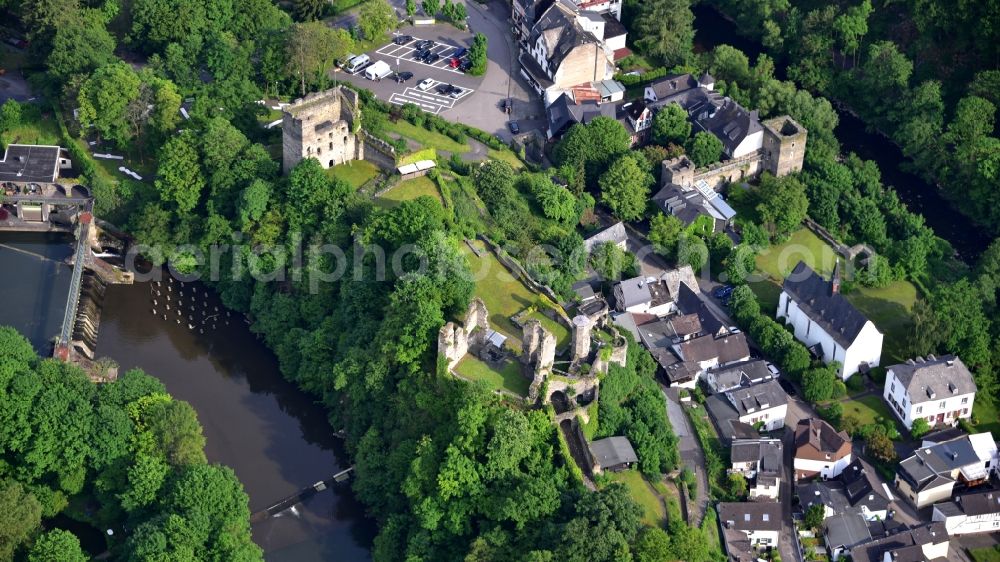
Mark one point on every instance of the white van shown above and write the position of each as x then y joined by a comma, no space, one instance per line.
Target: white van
357,63
377,71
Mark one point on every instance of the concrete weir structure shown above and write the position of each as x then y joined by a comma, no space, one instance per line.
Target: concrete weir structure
30,184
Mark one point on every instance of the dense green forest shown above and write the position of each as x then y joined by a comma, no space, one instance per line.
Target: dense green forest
122,456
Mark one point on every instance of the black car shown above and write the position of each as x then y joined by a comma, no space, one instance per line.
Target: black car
514,129
425,44
465,66
432,58
403,76
787,386
402,39
444,89
460,52
419,54
723,291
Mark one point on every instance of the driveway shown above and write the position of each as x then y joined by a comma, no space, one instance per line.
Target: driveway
690,450
786,540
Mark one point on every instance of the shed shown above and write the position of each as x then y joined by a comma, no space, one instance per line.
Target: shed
613,453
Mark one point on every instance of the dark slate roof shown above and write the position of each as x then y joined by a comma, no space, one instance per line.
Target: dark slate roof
740,430
932,533
690,303
765,452
30,163
846,530
681,325
727,120
706,79
743,373
613,451
685,204
861,489
680,371
560,32
930,467
831,312
750,516
563,113
612,27
670,86
934,378
533,9
615,233
829,493
725,349
758,397
983,503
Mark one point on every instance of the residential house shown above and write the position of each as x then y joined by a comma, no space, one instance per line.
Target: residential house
615,234
759,522
637,119
933,473
820,450
682,327
564,112
710,351
736,375
644,295
612,453
764,404
568,47
970,514
843,532
759,460
689,203
854,491
923,543
827,323
940,390
525,13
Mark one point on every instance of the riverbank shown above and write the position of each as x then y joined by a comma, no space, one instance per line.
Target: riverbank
713,28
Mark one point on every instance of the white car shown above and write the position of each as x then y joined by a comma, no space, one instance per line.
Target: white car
774,370
425,84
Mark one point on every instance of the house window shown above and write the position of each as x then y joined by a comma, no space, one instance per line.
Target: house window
920,409
892,387
941,405
965,400
965,411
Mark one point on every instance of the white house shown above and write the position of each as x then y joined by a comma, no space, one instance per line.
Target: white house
759,521
940,390
736,375
927,542
764,403
759,460
827,323
930,475
969,514
820,450
644,295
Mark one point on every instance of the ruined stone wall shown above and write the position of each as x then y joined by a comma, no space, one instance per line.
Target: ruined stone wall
322,125
453,343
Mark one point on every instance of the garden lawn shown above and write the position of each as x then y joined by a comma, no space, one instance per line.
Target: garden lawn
506,156
426,138
558,329
652,507
988,554
355,172
989,419
508,378
502,293
409,189
867,409
888,307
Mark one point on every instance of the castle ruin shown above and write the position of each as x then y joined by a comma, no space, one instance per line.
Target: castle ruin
323,125
454,340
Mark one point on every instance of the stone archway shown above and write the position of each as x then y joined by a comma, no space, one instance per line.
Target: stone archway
560,402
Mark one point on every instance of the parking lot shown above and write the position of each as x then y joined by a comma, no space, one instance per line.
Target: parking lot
409,50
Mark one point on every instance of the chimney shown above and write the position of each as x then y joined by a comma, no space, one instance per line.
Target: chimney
835,280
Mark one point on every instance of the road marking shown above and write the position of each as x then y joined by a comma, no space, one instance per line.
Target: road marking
406,51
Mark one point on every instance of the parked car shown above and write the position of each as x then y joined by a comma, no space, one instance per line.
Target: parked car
773,369
514,129
455,92
432,58
460,52
722,292
419,54
402,39
403,76
425,44
465,66
425,84
454,62
788,388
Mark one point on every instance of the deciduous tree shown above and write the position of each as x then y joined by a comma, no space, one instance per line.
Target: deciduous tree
625,188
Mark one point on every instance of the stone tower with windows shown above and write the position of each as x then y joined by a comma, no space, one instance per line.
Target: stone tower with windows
323,125
784,145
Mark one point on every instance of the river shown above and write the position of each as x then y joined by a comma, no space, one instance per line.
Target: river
712,29
275,437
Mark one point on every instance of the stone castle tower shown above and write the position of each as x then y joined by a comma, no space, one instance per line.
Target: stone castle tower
784,145
581,337
323,125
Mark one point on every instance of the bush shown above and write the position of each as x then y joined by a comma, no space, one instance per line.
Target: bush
648,76
920,428
856,383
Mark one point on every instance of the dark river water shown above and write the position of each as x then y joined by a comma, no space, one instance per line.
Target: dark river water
274,436
712,29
